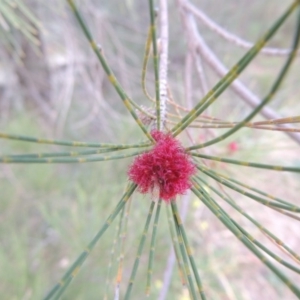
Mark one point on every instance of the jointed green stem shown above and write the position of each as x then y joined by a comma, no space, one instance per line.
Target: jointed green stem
138,255
181,269
231,75
10,159
268,98
266,250
247,239
247,164
224,218
31,139
274,128
142,110
250,238
152,248
287,120
112,252
219,123
288,207
58,154
184,251
122,248
108,71
278,242
292,206
74,269
188,249
253,189
145,62
155,62
62,289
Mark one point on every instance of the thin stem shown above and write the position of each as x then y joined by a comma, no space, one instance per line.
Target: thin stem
247,164
155,62
111,77
31,139
228,35
10,160
145,63
152,248
266,250
213,61
175,244
232,74
75,268
252,189
270,95
265,231
122,250
184,253
112,252
251,239
224,218
188,249
58,154
139,252
287,206
163,61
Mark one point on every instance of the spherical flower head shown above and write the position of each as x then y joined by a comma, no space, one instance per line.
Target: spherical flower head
166,167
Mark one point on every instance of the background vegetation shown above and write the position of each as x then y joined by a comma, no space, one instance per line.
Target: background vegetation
51,85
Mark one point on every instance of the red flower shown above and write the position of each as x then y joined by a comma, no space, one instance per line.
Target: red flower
166,167
233,147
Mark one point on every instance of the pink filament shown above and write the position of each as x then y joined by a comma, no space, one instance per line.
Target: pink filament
166,167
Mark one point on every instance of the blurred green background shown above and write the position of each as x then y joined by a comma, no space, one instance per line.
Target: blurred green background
51,85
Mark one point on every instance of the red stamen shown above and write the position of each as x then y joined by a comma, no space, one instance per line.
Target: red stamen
166,166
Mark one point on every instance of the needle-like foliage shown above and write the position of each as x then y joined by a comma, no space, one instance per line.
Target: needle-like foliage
166,169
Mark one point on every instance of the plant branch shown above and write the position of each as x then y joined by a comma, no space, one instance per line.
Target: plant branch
163,61
237,86
230,36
